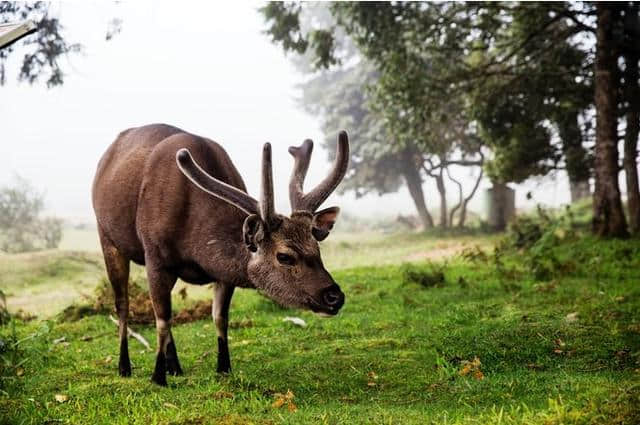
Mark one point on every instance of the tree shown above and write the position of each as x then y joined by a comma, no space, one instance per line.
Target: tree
608,216
524,77
21,227
341,98
421,137
631,95
44,49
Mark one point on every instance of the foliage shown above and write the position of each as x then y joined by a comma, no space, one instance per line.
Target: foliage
21,227
341,98
387,99
427,275
17,352
43,50
541,230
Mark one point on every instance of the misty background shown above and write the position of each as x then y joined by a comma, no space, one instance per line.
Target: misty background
212,73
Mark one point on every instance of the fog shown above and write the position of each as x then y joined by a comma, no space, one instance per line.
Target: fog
204,67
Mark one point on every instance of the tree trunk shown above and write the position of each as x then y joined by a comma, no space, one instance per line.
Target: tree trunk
608,216
501,206
414,183
632,95
453,210
463,211
574,153
443,198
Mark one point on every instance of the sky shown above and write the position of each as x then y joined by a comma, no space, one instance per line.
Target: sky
205,67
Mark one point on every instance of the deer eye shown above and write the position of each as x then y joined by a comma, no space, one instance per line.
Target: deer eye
285,259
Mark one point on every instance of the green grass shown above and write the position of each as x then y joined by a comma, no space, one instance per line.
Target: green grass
45,282
563,350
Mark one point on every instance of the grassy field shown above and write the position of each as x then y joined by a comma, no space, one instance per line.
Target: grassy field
508,338
45,282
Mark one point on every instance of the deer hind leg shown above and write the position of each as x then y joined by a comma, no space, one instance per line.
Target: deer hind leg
220,313
118,271
172,362
161,283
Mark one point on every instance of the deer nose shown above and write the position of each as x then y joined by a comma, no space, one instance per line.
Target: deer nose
333,297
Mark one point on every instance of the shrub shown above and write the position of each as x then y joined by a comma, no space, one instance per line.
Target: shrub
428,275
21,227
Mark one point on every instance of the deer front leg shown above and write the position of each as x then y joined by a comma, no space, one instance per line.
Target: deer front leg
220,313
161,283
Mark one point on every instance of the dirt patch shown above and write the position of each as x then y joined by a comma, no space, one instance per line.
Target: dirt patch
140,306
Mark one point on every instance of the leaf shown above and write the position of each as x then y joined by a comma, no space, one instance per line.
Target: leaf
465,370
571,317
296,321
472,368
20,371
287,398
170,405
219,395
108,359
61,398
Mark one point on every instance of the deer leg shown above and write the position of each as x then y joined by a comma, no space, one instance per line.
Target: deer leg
118,271
172,363
220,312
161,283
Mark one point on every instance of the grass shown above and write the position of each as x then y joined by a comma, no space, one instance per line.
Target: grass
490,344
45,282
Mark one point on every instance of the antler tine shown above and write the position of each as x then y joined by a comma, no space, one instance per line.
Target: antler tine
267,209
213,186
312,200
302,156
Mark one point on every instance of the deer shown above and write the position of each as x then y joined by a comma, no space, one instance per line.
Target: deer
175,203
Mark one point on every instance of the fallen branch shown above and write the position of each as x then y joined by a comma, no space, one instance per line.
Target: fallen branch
130,332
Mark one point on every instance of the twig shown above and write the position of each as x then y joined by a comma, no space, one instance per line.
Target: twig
130,332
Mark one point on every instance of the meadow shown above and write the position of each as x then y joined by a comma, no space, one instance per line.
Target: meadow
454,329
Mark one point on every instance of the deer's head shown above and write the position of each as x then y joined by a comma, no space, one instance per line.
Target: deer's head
285,261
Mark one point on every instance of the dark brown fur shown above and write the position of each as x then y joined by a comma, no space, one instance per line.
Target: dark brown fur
149,212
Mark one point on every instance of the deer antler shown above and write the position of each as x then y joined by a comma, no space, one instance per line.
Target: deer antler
213,186
302,155
267,209
230,194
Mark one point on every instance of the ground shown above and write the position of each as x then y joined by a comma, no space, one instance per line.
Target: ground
503,338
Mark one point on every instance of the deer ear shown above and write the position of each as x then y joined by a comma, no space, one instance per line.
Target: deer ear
323,222
253,232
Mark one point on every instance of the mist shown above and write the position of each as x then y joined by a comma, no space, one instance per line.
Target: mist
213,73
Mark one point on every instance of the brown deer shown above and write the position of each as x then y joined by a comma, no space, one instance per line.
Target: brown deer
195,221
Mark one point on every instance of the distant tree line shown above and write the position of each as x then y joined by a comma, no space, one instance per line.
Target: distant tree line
510,89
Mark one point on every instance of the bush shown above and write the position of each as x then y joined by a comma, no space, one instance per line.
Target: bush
21,227
541,230
428,275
